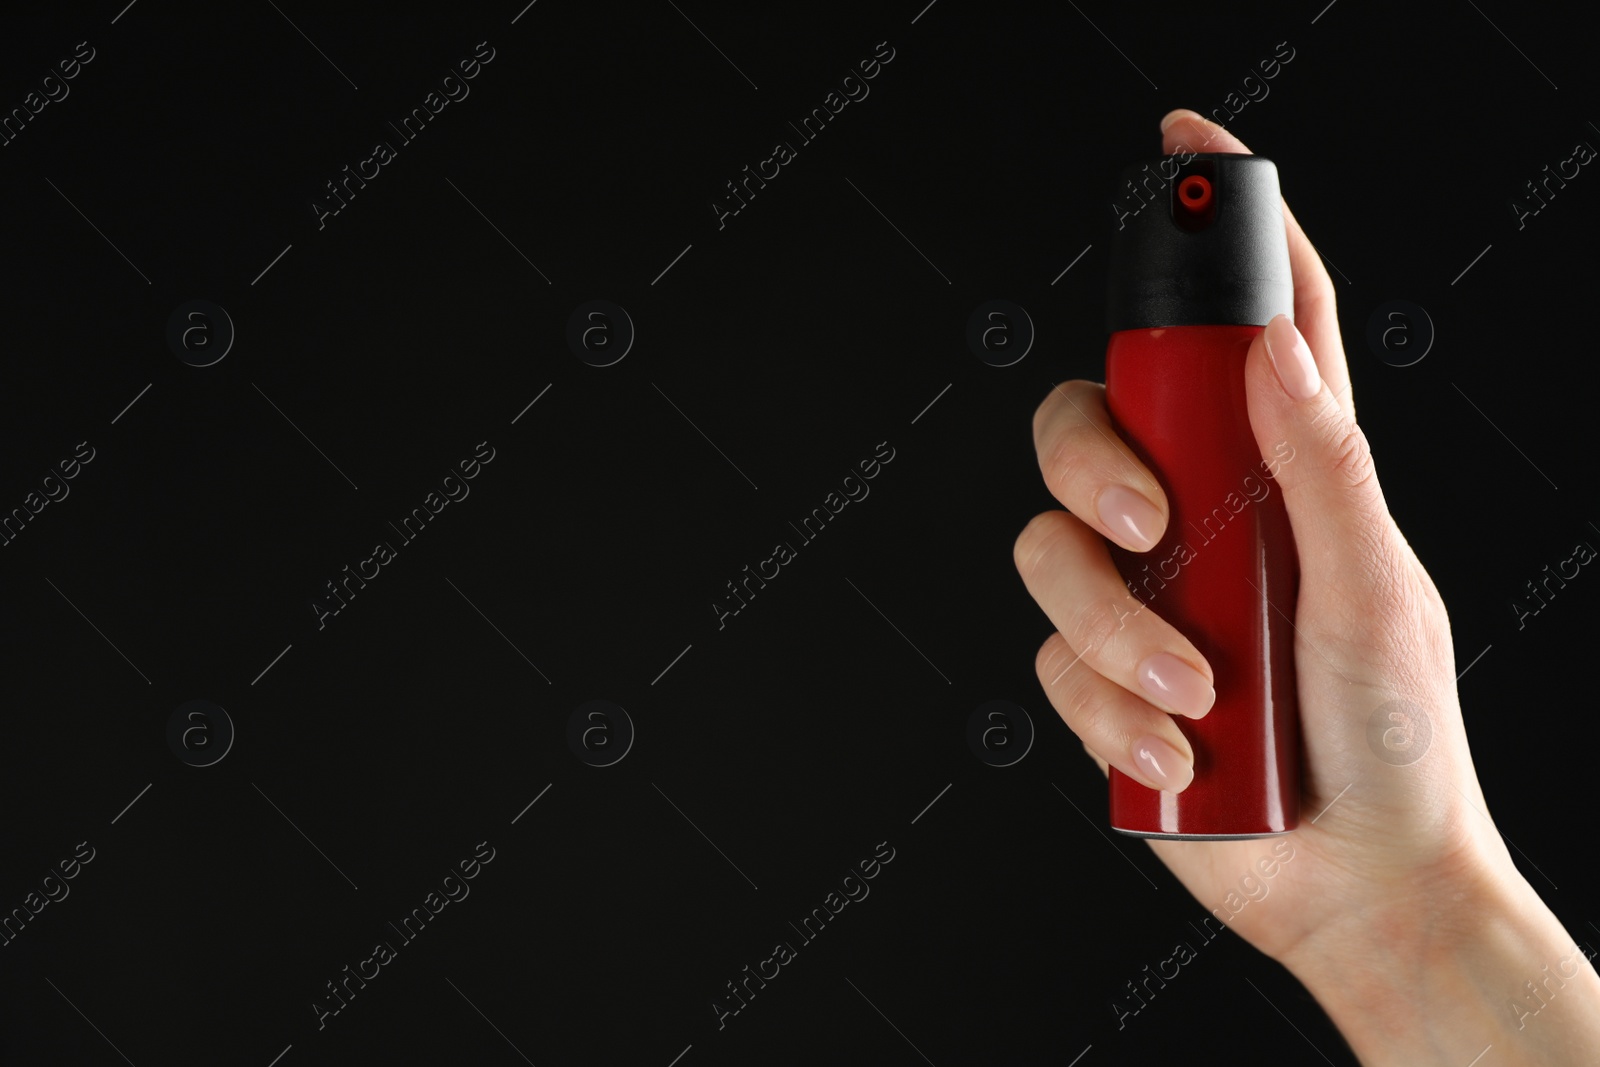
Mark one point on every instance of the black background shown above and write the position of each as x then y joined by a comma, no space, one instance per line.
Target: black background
796,338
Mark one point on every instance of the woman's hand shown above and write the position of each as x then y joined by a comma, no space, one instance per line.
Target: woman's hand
1400,908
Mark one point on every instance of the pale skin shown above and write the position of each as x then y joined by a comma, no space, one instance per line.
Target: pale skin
1402,911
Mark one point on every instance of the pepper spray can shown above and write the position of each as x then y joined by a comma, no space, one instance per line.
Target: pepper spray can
1199,264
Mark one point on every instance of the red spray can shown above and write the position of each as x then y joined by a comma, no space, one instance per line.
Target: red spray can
1199,264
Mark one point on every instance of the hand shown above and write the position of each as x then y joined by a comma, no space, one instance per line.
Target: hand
1402,887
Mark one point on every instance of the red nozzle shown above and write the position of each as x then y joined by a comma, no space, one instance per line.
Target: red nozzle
1194,196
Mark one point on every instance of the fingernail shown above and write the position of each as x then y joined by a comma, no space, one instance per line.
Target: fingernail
1132,519
1176,685
1291,358
1175,115
1162,764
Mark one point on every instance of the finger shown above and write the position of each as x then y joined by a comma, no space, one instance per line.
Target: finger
1092,473
1069,572
1346,540
1113,724
1315,306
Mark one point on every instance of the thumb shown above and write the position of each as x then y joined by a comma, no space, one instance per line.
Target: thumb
1342,529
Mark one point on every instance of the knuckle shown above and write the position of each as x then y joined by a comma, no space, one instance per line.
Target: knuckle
1085,708
1069,392
1350,456
1047,661
1066,407
1076,457
1094,627
1033,543
1064,461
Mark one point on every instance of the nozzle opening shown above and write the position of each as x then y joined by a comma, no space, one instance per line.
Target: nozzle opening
1194,197
1194,194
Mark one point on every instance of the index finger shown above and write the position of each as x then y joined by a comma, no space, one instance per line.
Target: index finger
1315,308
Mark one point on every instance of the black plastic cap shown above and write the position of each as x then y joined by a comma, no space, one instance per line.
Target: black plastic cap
1214,255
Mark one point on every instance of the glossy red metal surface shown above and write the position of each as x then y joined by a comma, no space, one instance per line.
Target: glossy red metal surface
1225,574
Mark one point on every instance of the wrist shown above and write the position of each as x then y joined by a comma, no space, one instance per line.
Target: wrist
1451,966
